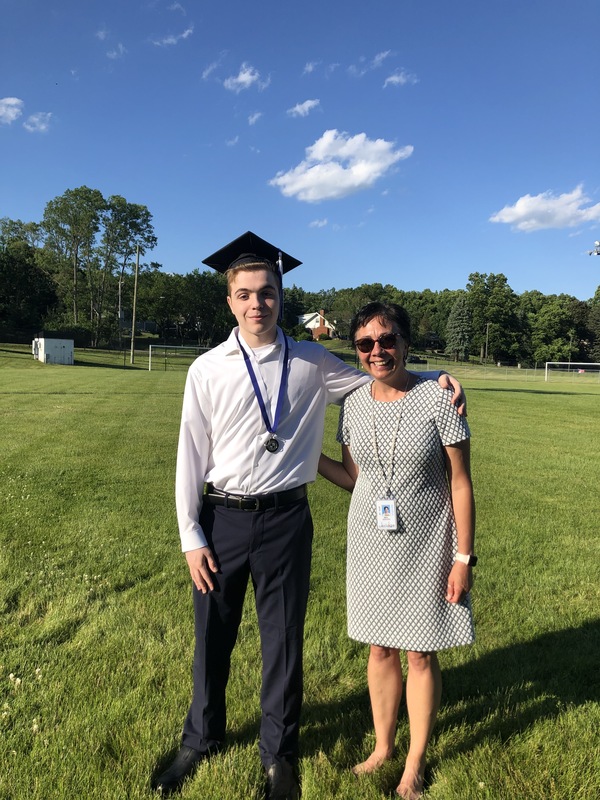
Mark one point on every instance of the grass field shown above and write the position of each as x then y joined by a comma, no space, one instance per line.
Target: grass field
96,619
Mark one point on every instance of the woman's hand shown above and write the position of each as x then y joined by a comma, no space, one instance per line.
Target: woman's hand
460,582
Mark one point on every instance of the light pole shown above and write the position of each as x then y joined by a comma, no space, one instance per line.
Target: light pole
487,338
135,284
570,348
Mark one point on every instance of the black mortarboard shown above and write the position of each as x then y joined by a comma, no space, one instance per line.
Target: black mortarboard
250,248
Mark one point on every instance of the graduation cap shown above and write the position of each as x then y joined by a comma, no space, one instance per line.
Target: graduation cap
249,250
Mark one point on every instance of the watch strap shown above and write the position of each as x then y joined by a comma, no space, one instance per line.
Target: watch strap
470,560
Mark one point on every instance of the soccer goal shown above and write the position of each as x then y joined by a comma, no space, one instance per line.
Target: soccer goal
582,371
172,356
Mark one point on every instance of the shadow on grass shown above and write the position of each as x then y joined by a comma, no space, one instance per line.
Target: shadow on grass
551,392
106,365
496,696
499,695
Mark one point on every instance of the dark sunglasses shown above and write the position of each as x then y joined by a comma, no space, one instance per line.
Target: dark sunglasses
387,341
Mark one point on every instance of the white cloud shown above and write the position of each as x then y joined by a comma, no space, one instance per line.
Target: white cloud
11,109
38,123
117,52
400,78
253,118
303,109
232,142
101,34
310,66
318,223
338,165
169,41
212,67
547,210
177,7
246,77
365,66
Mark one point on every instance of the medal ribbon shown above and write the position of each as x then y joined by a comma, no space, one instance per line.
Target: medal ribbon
258,394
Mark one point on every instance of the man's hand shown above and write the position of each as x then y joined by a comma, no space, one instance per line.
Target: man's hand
459,399
202,563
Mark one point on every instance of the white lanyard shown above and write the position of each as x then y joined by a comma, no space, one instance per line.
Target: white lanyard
387,481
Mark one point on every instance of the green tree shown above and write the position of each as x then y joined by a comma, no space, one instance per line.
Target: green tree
458,329
594,327
27,293
127,227
71,223
495,319
294,305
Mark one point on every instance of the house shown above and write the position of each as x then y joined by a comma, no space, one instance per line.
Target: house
316,323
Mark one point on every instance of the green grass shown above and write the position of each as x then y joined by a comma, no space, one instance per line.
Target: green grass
96,618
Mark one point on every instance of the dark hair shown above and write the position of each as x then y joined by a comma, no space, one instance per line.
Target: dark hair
385,312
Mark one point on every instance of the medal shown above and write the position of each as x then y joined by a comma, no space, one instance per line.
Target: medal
272,445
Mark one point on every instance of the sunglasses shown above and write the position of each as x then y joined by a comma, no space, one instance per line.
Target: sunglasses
387,342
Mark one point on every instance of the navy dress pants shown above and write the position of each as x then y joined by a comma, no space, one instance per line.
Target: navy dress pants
273,548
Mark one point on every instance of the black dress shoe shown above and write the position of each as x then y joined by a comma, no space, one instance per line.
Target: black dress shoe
282,782
183,765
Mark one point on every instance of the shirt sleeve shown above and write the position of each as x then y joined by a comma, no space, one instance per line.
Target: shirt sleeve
192,462
452,427
340,378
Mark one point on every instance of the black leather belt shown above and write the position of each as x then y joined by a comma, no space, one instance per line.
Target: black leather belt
256,502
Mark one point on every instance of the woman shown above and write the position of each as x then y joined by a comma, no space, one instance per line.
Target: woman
411,523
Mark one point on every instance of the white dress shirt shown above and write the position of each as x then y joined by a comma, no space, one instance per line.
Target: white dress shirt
222,433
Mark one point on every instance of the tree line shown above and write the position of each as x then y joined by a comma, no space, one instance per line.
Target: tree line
72,273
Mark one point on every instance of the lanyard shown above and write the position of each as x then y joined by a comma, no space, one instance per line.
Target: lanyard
257,392
387,478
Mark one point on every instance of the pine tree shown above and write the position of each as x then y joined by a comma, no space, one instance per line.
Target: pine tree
458,330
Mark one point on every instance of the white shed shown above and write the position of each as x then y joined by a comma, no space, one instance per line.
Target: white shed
53,351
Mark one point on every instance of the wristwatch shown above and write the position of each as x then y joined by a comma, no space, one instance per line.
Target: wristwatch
469,560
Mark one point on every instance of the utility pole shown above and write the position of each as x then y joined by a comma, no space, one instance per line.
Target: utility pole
135,281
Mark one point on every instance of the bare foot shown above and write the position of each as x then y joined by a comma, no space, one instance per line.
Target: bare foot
372,764
411,783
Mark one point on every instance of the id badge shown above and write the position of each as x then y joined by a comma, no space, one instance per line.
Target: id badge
386,515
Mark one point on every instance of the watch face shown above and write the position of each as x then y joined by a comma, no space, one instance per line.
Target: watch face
472,561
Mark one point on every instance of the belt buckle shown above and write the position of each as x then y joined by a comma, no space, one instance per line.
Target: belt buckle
254,500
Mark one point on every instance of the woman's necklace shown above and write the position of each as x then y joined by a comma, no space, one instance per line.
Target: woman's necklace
385,507
404,390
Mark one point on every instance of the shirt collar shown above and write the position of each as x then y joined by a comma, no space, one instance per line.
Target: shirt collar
231,345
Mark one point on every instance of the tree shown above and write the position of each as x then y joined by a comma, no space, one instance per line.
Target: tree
594,326
554,335
71,222
127,227
294,305
27,294
495,320
458,329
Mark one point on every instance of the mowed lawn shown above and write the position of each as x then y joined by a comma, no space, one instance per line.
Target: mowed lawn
96,621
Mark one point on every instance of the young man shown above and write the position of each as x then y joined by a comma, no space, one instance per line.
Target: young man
250,439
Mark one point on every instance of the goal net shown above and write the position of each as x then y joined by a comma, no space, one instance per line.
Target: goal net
170,356
581,371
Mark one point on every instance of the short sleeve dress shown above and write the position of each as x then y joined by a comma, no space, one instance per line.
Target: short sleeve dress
396,580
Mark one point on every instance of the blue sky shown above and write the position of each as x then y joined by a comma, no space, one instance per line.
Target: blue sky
409,142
